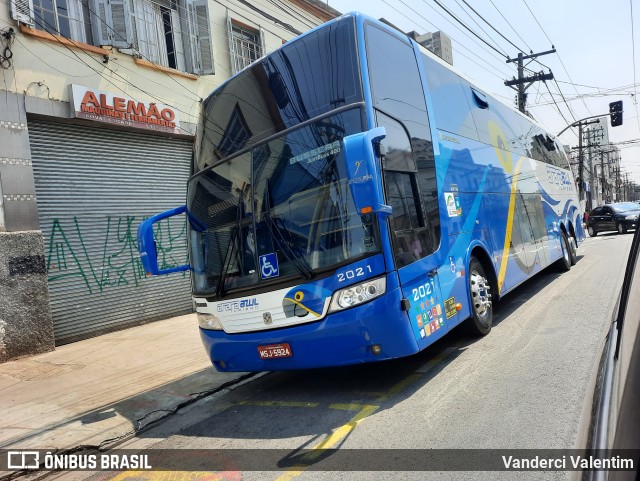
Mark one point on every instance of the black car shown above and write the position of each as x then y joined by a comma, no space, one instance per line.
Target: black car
619,216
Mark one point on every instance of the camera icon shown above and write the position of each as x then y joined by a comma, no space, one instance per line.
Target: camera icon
23,459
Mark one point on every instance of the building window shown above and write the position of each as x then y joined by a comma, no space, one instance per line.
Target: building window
60,17
172,33
245,45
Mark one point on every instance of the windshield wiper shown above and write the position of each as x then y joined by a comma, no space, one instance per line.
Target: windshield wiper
299,263
235,237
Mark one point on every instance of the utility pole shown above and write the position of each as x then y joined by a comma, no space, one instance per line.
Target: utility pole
626,187
604,197
522,80
580,166
581,146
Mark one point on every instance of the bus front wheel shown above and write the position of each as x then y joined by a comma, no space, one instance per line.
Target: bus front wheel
481,306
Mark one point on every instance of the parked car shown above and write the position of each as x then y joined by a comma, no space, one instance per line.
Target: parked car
619,216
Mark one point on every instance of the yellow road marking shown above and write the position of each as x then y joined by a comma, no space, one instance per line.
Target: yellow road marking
436,360
349,407
334,438
177,476
287,404
399,387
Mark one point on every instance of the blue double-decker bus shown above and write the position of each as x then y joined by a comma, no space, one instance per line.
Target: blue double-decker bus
354,198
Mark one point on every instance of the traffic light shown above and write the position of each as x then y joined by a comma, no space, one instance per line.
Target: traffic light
615,109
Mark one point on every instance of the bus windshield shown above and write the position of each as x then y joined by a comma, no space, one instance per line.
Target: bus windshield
281,210
269,201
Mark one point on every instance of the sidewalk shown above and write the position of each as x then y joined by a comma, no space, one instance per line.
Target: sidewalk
97,390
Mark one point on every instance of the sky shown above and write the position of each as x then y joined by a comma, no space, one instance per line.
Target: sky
593,65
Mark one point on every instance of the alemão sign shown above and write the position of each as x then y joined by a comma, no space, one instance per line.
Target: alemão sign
101,106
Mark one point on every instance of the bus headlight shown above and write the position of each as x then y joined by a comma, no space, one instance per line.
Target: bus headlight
358,294
209,321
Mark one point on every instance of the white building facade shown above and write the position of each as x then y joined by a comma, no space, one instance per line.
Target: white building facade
99,107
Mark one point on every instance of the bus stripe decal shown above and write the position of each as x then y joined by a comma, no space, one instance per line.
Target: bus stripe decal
462,240
507,237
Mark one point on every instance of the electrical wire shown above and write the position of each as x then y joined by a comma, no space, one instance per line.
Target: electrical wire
413,21
534,17
494,28
437,28
557,107
511,26
500,58
633,54
559,57
478,25
46,25
565,100
7,35
467,27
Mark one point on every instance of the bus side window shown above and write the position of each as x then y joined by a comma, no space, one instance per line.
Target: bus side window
409,166
450,100
413,238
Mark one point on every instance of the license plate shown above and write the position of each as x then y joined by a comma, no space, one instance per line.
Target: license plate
274,351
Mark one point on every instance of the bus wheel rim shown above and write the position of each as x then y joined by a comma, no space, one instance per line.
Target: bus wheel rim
480,297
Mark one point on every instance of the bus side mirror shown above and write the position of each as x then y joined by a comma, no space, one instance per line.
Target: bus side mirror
147,244
362,172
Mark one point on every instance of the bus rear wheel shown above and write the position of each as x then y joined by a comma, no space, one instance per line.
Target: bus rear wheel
481,305
564,263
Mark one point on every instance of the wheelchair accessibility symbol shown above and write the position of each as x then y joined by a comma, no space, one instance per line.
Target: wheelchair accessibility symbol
269,266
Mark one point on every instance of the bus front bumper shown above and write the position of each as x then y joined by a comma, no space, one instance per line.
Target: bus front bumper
341,338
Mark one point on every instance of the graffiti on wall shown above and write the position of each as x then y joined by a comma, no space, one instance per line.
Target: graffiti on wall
109,258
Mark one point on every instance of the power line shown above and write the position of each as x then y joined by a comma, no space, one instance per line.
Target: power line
508,23
488,23
534,17
557,107
454,25
633,54
479,26
467,27
412,20
565,101
559,57
44,27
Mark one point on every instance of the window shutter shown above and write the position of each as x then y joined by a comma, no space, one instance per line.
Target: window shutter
149,33
100,22
120,31
263,43
232,46
204,36
111,23
188,23
178,46
22,11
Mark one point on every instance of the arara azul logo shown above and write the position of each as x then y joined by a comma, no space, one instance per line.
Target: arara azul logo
239,305
305,300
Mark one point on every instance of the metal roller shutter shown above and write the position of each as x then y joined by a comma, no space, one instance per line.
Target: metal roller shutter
94,186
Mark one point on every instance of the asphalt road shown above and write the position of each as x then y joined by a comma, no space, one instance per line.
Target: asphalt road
524,385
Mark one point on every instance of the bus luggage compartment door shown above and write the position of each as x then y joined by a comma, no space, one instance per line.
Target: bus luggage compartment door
421,286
